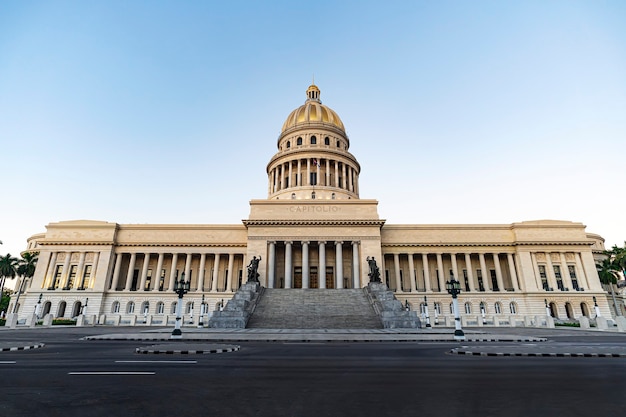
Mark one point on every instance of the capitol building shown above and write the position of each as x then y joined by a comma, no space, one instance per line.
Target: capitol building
313,231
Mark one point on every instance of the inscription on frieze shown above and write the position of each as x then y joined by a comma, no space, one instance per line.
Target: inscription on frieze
313,209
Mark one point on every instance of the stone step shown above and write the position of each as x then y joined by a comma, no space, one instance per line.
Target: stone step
314,309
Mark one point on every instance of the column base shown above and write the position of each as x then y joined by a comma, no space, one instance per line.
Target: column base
459,335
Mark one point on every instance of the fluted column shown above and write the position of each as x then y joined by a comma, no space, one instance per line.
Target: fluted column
455,268
322,267
396,268
484,272
470,272
356,270
52,266
216,272
116,271
350,188
282,176
131,271
412,273
65,273
512,272
188,267
496,261
581,271
144,272
170,286
156,281
327,182
305,264
426,272
201,268
229,279
343,175
441,278
80,273
550,272
290,184
288,265
299,174
339,262
94,268
337,174
271,266
567,280
308,171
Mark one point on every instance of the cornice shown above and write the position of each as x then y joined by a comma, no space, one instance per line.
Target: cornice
291,222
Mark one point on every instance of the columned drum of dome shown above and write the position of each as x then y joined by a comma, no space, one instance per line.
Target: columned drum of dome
313,161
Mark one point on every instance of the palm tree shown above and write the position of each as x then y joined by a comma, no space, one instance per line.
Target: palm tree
608,273
26,269
8,269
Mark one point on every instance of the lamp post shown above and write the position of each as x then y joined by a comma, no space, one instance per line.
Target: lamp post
181,288
548,313
596,308
454,289
426,312
482,313
38,306
83,309
202,309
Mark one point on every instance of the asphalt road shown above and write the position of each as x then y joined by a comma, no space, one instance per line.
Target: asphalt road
72,377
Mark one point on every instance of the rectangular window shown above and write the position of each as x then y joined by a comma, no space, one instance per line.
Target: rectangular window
559,279
494,280
479,277
544,277
313,178
72,277
162,280
87,277
572,275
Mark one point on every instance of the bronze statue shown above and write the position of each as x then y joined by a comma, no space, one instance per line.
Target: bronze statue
253,275
374,271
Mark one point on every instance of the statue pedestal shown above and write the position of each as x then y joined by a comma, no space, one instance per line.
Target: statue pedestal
238,310
390,310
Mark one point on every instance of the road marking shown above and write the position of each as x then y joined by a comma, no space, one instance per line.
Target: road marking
156,361
7,362
111,373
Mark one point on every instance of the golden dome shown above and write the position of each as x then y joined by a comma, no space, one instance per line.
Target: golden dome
312,111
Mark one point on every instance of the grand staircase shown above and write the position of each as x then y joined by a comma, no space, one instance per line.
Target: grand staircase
314,309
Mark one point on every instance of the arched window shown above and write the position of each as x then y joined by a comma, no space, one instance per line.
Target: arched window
584,309
451,308
188,308
160,308
313,140
513,308
338,144
468,308
76,309
115,308
46,308
498,307
288,144
145,307
483,307
61,309
422,308
130,307
313,195
173,308
326,141
569,311
299,141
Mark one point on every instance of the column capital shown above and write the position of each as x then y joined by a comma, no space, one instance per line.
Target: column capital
356,242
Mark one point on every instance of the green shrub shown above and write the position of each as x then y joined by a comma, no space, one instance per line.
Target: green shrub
63,322
2,322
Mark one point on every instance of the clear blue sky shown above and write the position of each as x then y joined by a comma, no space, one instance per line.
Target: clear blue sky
168,112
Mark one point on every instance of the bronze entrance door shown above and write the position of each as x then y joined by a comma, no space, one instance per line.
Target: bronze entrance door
330,279
297,277
314,282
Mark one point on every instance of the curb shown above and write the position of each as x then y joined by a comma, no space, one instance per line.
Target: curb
156,350
543,355
29,347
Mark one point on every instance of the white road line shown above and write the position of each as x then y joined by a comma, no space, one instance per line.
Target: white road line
156,361
7,362
111,373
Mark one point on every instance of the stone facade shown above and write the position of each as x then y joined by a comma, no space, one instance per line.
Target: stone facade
314,231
